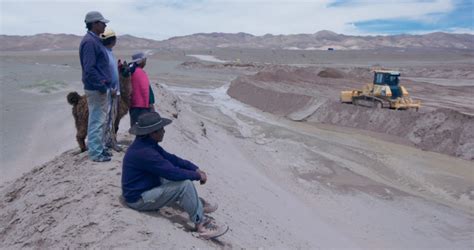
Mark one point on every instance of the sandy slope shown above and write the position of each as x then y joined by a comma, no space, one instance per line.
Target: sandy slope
73,202
278,184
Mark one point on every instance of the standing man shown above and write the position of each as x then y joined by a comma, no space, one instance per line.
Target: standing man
96,78
142,99
109,40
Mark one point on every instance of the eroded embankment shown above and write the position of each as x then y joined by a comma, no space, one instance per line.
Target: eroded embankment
282,92
275,102
71,202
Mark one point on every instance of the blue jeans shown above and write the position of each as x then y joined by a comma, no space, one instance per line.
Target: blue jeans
183,193
97,104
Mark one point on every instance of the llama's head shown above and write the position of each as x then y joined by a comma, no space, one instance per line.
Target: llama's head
124,69
125,79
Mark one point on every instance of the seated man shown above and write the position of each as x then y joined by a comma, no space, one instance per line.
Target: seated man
153,178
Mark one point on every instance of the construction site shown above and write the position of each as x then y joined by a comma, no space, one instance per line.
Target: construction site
292,161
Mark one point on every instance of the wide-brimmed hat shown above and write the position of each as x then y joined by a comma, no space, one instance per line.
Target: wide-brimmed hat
95,16
148,123
108,33
138,57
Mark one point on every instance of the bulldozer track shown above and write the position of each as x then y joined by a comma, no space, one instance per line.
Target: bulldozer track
367,101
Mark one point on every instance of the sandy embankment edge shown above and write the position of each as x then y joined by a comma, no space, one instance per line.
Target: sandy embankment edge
442,130
72,202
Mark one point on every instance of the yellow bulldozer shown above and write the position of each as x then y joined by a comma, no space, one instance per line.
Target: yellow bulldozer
384,92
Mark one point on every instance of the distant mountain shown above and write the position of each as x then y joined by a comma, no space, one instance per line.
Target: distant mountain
132,42
208,40
39,42
66,42
321,40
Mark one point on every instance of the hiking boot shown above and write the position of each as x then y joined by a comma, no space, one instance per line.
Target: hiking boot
102,158
208,207
209,230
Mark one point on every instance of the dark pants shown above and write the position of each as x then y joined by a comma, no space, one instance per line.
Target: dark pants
136,112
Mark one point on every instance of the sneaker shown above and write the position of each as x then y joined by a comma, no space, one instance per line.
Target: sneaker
117,148
102,158
107,153
209,230
208,207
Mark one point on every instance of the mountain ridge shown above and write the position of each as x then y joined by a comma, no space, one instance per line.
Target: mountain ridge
321,40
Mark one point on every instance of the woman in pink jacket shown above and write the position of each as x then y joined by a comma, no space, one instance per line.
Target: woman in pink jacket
142,98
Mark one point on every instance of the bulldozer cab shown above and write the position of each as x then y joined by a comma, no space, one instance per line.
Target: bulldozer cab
390,78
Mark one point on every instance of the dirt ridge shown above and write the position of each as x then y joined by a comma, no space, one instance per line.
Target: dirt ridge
442,130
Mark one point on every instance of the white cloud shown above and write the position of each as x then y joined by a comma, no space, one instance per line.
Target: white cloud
461,30
161,19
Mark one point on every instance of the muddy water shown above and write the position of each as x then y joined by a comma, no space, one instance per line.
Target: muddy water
347,161
352,180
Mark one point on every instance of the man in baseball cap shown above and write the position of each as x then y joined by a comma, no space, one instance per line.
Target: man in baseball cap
96,77
95,16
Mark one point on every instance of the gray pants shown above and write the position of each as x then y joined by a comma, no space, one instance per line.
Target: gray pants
110,138
182,193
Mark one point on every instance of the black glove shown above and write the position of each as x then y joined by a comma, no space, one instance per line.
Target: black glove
108,83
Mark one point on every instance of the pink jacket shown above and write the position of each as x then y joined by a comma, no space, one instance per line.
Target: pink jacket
140,97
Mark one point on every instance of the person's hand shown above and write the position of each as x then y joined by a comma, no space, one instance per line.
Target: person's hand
113,92
103,91
203,175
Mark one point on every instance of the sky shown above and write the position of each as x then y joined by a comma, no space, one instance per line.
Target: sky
162,19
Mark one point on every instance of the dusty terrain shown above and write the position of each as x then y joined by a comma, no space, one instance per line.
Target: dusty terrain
294,176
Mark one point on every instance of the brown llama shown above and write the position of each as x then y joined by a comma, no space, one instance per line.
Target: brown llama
80,110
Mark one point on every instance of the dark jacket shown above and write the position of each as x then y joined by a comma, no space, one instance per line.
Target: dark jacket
94,63
145,162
